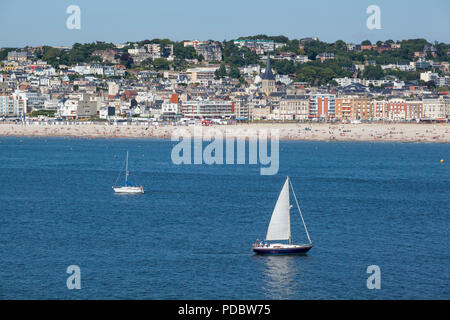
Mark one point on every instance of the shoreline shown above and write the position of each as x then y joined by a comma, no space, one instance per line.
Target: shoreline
367,132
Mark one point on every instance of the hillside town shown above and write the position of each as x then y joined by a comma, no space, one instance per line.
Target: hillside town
248,79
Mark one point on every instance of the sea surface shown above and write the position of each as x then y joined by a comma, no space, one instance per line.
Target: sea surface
190,235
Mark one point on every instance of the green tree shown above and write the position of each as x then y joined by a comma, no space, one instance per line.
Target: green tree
45,113
4,52
51,55
234,72
221,72
182,52
284,66
371,72
340,46
126,60
161,64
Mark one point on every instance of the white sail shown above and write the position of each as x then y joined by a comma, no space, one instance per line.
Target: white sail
280,224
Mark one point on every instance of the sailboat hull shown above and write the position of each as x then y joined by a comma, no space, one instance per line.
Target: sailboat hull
129,190
284,249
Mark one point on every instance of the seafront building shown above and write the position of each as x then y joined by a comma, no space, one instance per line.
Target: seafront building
109,87
12,106
207,109
294,107
322,106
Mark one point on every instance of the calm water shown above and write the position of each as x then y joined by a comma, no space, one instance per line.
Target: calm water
190,235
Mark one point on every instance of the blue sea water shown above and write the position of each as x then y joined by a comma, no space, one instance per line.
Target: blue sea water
190,235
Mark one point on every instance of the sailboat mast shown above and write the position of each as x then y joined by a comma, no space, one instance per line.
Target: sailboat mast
289,206
126,170
301,216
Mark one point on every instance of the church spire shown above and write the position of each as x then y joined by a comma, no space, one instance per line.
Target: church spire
268,75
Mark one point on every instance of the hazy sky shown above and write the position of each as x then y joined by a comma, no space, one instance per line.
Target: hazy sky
44,22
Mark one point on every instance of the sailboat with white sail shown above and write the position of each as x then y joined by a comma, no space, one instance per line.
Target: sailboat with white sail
280,227
128,188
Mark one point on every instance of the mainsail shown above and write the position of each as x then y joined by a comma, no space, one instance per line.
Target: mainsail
280,224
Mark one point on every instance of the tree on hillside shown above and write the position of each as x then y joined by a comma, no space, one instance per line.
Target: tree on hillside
371,72
280,38
4,53
234,72
221,72
182,52
161,64
126,60
340,45
284,66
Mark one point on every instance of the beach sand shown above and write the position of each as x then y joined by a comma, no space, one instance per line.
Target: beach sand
401,132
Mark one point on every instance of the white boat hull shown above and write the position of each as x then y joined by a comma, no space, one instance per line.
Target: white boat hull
129,190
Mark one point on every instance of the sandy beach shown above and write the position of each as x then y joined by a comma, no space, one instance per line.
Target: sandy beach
401,132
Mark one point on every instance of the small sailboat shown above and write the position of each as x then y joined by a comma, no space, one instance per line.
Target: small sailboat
280,227
128,187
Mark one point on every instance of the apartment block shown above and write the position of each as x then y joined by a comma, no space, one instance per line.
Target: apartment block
322,106
207,108
294,107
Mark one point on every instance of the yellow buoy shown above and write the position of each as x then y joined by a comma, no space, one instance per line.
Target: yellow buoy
442,160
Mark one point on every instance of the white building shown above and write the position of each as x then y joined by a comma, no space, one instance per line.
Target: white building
154,49
54,81
136,51
113,88
12,106
435,108
283,79
343,82
207,108
428,76
33,100
259,45
251,69
81,69
401,67
68,108
169,107
442,81
374,82
52,104
292,107
45,82
203,76
301,59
